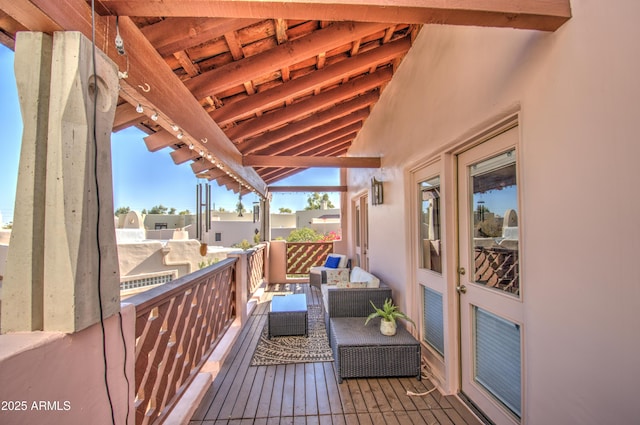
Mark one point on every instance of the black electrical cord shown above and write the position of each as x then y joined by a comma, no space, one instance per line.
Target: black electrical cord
95,175
124,367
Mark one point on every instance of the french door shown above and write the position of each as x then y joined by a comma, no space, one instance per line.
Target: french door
430,264
489,284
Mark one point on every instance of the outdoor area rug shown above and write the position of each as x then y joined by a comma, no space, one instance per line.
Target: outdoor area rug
295,349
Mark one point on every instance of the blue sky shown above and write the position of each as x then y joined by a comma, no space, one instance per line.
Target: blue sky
141,179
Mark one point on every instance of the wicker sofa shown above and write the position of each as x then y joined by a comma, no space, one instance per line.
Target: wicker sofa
345,293
323,274
359,350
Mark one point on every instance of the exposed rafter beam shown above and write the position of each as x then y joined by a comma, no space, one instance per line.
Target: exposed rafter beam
309,137
174,34
285,189
238,72
183,154
305,107
311,161
310,127
293,147
334,147
160,140
546,15
325,147
145,69
310,82
126,116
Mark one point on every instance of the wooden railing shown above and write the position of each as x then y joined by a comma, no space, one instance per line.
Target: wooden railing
301,256
255,269
498,267
178,325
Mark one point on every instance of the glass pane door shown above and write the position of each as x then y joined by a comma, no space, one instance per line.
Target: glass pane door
495,222
489,281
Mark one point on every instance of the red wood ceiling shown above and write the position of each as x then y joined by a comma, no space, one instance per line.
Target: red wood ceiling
288,88
274,86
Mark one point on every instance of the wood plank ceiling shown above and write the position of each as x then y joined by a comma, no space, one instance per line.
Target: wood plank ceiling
287,83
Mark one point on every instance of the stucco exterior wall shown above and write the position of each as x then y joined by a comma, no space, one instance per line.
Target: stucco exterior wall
577,93
148,257
54,378
232,232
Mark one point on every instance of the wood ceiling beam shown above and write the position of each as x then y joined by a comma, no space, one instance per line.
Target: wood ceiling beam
211,174
311,137
293,189
126,116
326,148
310,82
281,173
299,129
7,41
323,100
183,154
201,165
238,72
311,161
546,15
187,64
348,131
160,140
146,68
29,16
174,34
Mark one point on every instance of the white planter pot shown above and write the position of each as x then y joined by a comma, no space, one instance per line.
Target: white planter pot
387,328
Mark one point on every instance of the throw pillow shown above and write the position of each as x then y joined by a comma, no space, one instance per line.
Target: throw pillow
352,284
332,262
333,277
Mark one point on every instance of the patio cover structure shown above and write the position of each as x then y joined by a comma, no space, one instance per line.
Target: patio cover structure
250,92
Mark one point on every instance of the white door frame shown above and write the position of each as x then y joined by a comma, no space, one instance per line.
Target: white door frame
500,304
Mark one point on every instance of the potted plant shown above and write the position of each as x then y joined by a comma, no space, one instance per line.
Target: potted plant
389,313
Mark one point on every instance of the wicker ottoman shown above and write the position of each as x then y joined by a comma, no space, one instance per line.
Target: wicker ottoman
288,315
361,351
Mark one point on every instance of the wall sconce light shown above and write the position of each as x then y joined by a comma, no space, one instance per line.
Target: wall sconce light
377,193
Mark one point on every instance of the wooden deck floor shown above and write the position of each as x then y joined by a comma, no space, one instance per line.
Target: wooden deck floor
308,393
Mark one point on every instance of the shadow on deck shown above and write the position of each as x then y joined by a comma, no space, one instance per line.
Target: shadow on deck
308,393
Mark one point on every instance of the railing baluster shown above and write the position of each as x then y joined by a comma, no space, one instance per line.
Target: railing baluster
301,256
172,345
256,268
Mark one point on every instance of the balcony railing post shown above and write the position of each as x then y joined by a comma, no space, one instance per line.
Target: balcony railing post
241,282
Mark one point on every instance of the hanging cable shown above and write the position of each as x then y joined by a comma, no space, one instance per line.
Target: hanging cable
95,175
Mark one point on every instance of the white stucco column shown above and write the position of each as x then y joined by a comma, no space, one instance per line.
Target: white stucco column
24,276
80,252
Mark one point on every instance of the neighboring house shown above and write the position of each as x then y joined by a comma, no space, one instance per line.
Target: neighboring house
228,229
156,248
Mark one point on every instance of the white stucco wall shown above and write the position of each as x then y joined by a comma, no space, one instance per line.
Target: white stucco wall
149,257
53,378
577,91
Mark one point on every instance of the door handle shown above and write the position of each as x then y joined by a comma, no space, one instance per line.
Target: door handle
461,289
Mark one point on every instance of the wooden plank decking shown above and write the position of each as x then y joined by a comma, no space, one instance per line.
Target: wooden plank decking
308,393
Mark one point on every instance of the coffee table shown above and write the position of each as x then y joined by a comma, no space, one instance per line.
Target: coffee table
288,315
